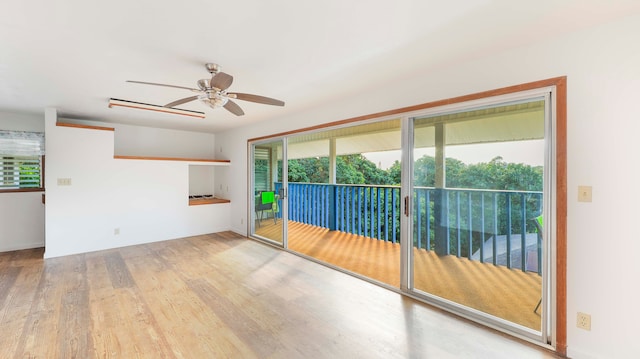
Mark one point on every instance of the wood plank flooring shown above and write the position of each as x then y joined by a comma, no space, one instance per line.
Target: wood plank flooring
219,296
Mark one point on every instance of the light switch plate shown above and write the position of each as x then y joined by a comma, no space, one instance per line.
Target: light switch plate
584,193
64,181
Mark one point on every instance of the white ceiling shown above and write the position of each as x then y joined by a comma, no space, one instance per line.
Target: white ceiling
76,54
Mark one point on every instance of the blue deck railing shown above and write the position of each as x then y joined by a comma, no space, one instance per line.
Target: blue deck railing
483,225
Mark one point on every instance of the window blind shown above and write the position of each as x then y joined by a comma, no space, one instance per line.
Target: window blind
20,172
261,169
21,143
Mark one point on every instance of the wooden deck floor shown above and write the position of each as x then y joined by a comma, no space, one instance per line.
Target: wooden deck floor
506,293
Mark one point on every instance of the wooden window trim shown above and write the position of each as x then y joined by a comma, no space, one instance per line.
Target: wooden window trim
120,157
75,125
18,190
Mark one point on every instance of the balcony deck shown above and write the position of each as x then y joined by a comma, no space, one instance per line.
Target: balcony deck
507,293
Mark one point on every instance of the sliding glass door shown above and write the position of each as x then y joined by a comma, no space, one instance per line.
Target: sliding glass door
268,193
478,215
452,204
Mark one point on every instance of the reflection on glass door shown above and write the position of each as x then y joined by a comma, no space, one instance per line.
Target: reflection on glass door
344,198
478,213
268,192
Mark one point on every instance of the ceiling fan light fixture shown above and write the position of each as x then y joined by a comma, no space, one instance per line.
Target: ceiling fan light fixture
214,100
203,84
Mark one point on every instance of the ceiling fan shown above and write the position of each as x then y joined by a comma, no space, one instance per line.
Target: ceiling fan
213,92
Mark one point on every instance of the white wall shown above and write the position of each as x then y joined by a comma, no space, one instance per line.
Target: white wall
201,180
134,141
21,214
145,200
602,65
157,142
21,220
21,122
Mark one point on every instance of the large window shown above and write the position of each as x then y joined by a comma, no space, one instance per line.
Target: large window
21,160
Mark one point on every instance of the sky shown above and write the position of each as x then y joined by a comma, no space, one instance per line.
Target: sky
527,152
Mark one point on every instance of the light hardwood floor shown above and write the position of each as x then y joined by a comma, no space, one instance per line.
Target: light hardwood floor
219,296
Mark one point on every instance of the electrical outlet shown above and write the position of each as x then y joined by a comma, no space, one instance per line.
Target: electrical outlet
241,220
584,321
116,231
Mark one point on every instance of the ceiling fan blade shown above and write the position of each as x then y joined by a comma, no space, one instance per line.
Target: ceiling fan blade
181,101
258,99
156,84
221,81
233,108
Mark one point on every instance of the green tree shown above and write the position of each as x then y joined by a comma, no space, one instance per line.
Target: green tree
424,172
297,172
394,173
357,169
495,174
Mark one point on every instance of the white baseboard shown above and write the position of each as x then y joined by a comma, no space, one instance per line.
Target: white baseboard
20,246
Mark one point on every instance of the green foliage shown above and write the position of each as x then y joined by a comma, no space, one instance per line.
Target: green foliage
424,172
357,169
394,173
309,170
498,174
29,176
350,169
297,172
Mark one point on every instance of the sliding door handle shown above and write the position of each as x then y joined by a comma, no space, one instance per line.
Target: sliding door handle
406,206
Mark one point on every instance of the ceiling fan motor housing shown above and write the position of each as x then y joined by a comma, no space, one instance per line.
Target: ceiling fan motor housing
213,68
